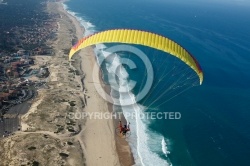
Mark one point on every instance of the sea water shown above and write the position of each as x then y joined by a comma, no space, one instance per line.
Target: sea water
214,126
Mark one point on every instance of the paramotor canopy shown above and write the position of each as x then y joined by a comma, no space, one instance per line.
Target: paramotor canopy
140,38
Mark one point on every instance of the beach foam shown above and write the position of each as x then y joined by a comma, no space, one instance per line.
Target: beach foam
89,28
140,138
164,147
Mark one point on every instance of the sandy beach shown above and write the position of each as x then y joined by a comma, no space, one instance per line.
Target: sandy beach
46,129
98,134
103,147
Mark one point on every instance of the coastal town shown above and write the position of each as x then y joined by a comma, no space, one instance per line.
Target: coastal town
21,75
40,88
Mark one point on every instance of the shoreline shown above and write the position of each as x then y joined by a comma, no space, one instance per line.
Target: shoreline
125,155
122,147
47,130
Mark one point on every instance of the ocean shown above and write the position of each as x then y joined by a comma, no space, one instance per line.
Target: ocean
214,126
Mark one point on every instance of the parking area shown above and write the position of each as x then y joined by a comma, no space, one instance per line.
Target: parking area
8,126
11,120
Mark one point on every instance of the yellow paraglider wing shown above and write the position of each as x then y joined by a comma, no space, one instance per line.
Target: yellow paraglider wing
140,38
